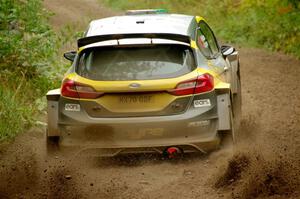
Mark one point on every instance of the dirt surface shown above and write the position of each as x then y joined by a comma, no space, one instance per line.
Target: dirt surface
75,12
264,164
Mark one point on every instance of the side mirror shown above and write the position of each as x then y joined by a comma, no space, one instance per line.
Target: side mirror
227,50
70,55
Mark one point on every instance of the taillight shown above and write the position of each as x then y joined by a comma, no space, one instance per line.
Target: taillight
73,89
205,83
202,84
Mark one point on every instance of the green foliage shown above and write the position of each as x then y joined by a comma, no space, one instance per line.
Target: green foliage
14,114
22,100
271,24
27,42
28,64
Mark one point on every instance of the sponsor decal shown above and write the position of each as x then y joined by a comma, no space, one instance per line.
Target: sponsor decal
72,107
202,103
144,132
199,123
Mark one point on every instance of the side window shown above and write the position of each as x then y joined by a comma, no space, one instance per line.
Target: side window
203,44
82,63
206,40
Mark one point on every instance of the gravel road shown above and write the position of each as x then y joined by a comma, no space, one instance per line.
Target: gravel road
264,164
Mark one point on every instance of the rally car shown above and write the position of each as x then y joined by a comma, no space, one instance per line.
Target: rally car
146,82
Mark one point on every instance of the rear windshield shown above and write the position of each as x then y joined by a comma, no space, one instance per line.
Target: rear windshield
136,63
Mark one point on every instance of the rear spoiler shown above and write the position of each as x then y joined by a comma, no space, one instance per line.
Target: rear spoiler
93,39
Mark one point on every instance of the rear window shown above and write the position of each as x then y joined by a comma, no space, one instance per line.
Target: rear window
136,63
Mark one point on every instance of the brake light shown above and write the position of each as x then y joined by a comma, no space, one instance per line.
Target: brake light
73,89
205,83
202,84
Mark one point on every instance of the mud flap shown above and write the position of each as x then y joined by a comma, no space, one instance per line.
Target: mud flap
52,116
233,59
223,101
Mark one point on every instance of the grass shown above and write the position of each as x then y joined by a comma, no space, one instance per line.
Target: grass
28,64
268,24
14,114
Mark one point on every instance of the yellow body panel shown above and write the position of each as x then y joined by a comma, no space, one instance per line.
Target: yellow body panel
198,19
156,101
193,44
153,91
146,85
123,86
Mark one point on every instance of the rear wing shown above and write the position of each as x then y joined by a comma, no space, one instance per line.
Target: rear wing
98,38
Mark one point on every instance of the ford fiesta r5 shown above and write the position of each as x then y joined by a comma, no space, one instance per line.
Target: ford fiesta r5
146,82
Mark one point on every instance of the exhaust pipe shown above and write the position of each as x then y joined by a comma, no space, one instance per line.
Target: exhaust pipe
172,152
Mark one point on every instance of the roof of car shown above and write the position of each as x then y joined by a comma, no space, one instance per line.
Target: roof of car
146,23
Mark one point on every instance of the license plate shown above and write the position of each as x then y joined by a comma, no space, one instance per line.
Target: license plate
136,99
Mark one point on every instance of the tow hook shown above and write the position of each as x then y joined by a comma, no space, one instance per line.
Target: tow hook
172,152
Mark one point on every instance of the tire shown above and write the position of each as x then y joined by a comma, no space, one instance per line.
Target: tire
232,127
236,111
230,137
237,100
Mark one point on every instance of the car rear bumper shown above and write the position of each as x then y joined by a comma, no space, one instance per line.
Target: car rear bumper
194,130
111,140
202,146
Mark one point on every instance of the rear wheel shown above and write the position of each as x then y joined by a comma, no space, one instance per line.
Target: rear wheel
229,137
232,127
235,112
237,100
